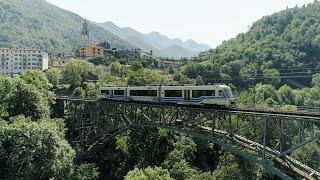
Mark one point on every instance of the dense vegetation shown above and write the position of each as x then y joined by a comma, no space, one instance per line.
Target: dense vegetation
284,44
33,144
36,23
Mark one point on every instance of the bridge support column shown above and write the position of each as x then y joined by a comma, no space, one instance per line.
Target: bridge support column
281,136
213,125
265,134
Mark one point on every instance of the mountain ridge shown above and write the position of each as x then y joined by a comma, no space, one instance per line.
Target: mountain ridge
176,51
48,27
159,43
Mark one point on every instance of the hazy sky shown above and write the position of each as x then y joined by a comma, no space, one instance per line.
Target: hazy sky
205,21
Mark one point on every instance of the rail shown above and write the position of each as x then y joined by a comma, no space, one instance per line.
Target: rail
260,111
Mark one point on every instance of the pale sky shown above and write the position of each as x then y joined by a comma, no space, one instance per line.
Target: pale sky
205,21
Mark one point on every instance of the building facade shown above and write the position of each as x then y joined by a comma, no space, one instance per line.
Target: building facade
92,51
15,60
59,61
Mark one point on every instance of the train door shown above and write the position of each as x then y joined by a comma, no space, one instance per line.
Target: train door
187,94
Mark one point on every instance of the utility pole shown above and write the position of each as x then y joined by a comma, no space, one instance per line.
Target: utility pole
254,96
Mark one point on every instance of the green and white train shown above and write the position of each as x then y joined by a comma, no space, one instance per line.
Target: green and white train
215,95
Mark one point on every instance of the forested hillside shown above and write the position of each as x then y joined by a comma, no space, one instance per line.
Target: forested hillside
284,44
255,64
36,23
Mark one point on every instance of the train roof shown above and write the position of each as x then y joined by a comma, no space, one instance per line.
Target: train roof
184,85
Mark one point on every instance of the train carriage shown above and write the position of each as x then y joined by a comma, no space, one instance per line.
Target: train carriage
220,95
143,93
208,94
116,93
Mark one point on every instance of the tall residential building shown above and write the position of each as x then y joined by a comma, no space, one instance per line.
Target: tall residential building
15,60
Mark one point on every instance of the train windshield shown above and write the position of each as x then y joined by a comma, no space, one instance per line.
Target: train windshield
228,92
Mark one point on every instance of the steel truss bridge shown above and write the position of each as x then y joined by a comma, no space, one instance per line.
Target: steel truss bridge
263,137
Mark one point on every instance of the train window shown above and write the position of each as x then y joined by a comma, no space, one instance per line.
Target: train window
228,92
173,93
105,92
199,93
221,93
118,92
153,93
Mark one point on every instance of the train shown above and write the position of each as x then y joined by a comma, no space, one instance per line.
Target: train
213,95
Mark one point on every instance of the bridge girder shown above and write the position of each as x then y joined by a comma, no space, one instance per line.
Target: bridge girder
261,138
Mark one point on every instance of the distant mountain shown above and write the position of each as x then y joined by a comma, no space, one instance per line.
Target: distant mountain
160,44
37,23
163,41
176,52
194,46
130,35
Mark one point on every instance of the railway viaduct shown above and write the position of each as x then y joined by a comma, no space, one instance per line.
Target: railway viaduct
263,137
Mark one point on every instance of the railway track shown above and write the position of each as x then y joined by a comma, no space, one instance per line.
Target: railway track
294,114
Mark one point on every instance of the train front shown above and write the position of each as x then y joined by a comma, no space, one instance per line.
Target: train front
228,93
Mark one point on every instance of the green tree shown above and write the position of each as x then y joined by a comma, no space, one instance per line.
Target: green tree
232,167
272,77
91,90
300,96
28,100
178,160
6,88
313,97
136,65
118,70
289,108
316,79
38,150
248,72
143,78
79,92
266,92
199,81
156,173
76,72
181,79
309,155
54,76
286,94
191,70
36,78
85,172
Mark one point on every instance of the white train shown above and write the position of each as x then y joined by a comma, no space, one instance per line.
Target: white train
216,95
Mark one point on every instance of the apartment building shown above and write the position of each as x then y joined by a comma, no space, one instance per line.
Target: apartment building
92,51
15,60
